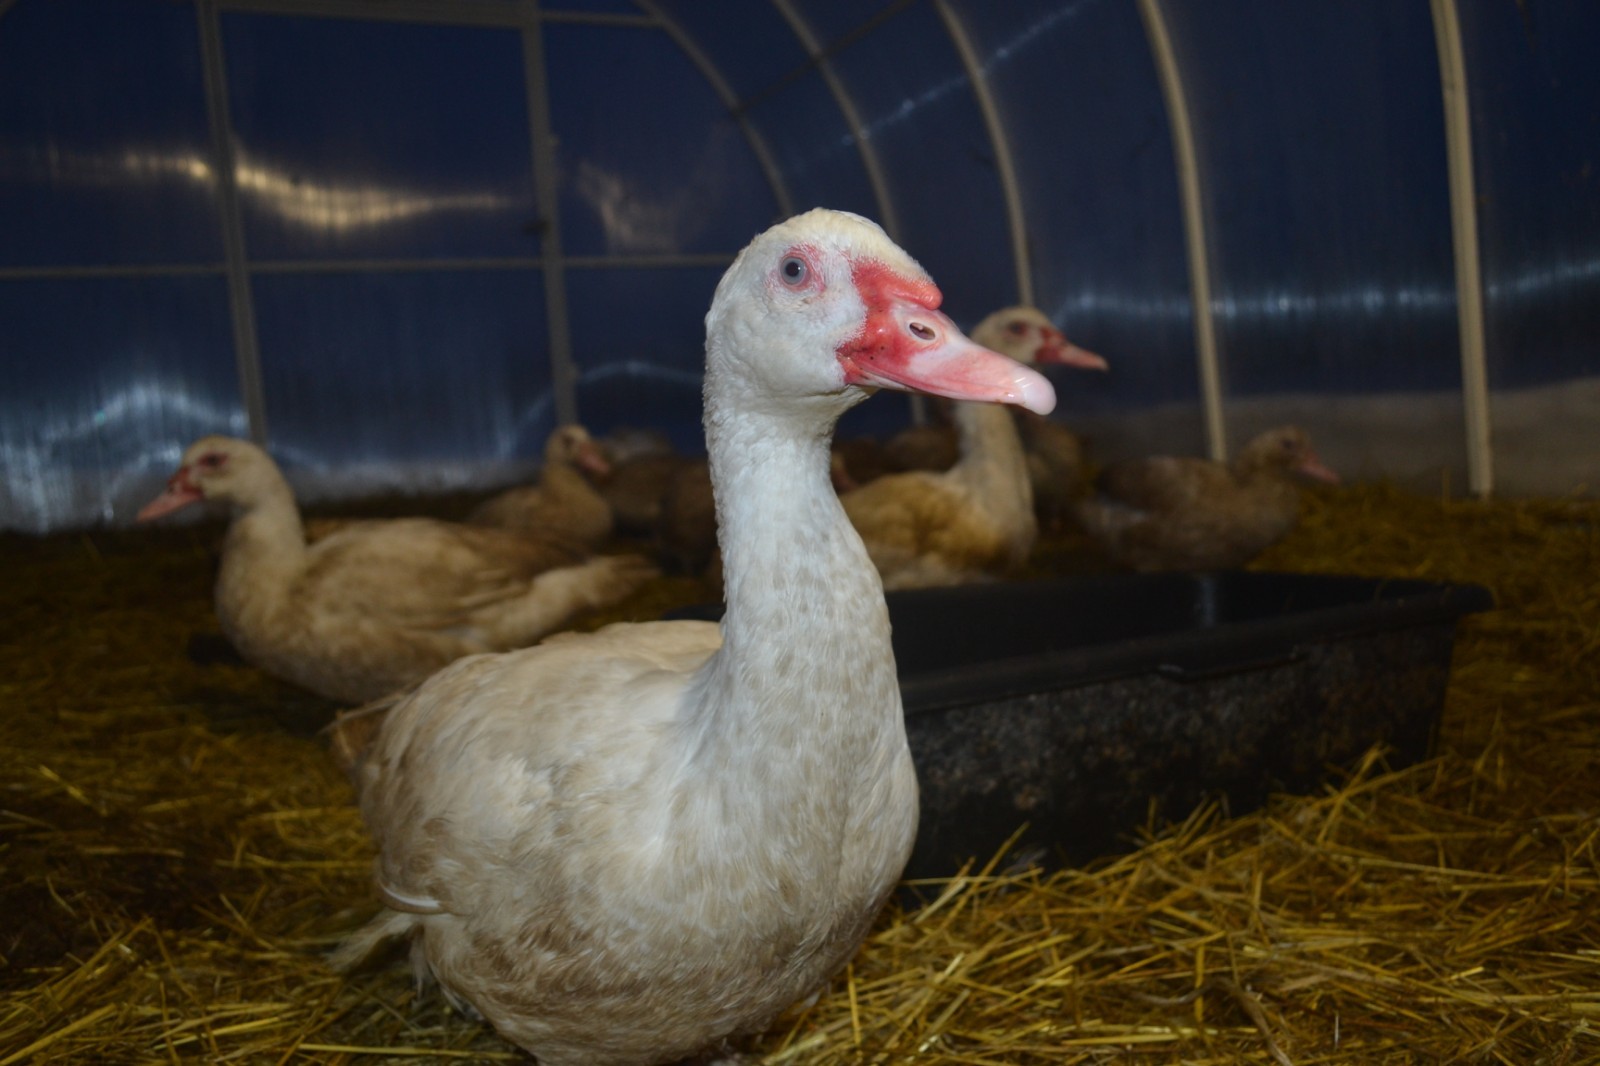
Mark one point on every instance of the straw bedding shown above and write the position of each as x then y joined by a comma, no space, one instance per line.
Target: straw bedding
178,853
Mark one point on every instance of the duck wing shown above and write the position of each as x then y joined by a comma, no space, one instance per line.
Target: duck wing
1163,483
422,574
519,754
925,529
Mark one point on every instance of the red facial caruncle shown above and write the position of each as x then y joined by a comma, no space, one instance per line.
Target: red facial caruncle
906,342
182,489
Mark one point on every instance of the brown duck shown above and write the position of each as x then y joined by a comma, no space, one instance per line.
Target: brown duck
1183,513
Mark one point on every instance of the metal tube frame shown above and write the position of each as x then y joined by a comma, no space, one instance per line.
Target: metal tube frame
527,17
1004,163
852,116
1194,225
563,369
495,13
1464,239
362,266
241,302
719,85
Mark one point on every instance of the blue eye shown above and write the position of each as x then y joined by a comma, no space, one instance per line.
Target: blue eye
793,270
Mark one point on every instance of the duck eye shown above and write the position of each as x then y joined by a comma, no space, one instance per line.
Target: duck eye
794,271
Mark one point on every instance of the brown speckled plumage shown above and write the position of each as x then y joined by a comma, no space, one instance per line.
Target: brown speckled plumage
687,531
1181,513
563,503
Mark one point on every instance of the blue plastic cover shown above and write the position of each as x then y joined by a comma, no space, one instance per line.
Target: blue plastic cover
1083,113
1320,133
638,337
393,242
640,168
104,146
105,380
362,140
104,163
414,378
1535,93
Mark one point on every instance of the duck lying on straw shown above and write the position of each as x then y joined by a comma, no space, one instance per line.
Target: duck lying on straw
632,845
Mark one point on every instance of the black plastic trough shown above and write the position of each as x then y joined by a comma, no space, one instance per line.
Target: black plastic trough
1082,706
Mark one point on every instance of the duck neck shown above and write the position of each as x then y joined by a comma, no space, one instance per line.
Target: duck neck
265,547
993,465
561,481
803,689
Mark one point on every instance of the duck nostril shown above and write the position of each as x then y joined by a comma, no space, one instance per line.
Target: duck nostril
921,332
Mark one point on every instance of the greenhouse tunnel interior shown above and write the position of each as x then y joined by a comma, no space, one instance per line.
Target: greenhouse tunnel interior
399,243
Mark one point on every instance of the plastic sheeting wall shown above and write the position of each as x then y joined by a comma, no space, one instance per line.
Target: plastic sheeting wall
373,288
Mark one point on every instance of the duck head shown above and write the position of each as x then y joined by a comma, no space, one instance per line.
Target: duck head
572,444
1027,335
1288,449
825,308
218,468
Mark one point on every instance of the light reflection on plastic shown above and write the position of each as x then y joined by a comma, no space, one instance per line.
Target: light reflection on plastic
632,223
137,405
632,226
50,485
324,206
1002,54
666,212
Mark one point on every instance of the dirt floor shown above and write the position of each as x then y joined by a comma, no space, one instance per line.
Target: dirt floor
178,853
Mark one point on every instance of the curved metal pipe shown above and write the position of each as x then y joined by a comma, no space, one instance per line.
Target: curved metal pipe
1464,237
1194,226
563,368
241,303
1004,163
730,100
841,96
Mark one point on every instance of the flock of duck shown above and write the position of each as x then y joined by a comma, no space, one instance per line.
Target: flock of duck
639,844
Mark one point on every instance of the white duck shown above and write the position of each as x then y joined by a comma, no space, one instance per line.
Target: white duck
1055,454
975,520
377,605
632,845
563,503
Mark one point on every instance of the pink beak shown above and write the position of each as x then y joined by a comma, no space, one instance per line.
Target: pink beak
590,458
1312,467
181,492
907,344
1059,351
